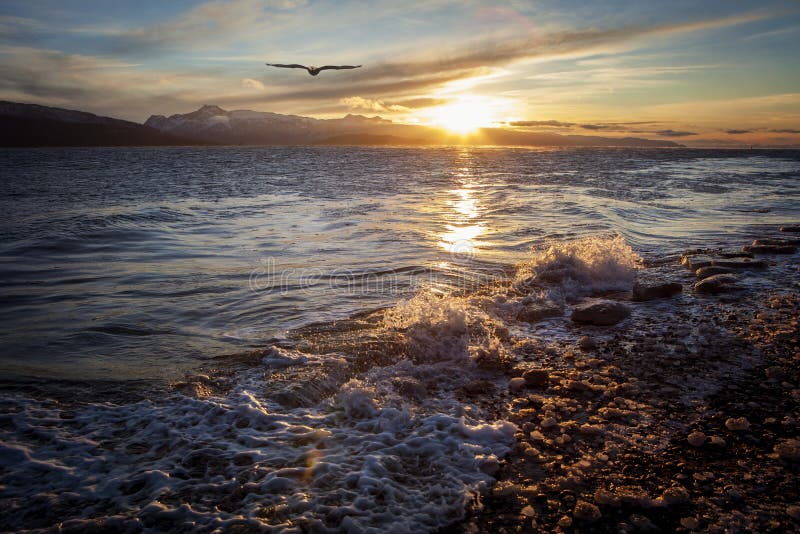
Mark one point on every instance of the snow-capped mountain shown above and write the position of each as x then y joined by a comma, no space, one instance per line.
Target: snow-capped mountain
214,124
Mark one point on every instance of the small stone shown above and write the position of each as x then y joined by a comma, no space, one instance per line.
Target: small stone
788,449
516,384
528,511
696,439
536,377
587,343
737,424
537,436
600,313
643,292
586,512
793,511
548,422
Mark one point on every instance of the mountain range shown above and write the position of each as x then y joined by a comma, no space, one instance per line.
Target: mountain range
34,125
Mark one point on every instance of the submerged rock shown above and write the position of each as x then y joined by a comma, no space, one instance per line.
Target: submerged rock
711,270
602,313
740,263
792,228
643,292
770,249
718,283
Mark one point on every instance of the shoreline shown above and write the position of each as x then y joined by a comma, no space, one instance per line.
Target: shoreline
605,445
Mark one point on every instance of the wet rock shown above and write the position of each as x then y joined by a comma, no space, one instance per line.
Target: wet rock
643,292
770,249
718,283
565,522
785,241
587,343
794,228
696,262
793,511
737,424
734,254
696,439
586,512
534,312
536,377
409,387
528,511
478,387
740,263
602,313
788,449
711,270
516,384
675,495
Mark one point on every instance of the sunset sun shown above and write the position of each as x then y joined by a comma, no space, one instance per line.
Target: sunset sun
465,115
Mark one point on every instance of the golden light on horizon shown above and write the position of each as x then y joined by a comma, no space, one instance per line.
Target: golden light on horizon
466,114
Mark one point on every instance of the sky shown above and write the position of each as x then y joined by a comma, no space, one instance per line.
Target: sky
702,73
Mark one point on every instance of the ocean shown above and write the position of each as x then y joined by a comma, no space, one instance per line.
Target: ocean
211,338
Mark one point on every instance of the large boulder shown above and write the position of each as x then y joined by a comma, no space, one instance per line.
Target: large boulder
601,313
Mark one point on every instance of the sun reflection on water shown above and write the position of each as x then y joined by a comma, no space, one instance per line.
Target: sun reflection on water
463,228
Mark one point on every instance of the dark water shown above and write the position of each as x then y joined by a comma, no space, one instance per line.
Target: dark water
141,263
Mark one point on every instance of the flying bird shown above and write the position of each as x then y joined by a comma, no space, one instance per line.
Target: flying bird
312,70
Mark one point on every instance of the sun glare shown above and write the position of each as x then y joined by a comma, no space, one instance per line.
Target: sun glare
464,116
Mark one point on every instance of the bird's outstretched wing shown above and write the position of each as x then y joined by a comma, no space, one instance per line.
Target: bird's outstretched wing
290,66
338,67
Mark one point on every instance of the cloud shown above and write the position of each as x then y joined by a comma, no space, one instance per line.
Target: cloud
786,130
737,132
550,124
596,126
357,102
674,133
203,26
253,84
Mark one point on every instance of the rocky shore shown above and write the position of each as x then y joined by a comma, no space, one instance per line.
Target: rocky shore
671,408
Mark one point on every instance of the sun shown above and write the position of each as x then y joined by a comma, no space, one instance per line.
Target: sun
465,115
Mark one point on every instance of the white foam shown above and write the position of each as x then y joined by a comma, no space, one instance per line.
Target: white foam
583,266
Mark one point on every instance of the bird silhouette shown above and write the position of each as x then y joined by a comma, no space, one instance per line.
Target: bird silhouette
312,70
